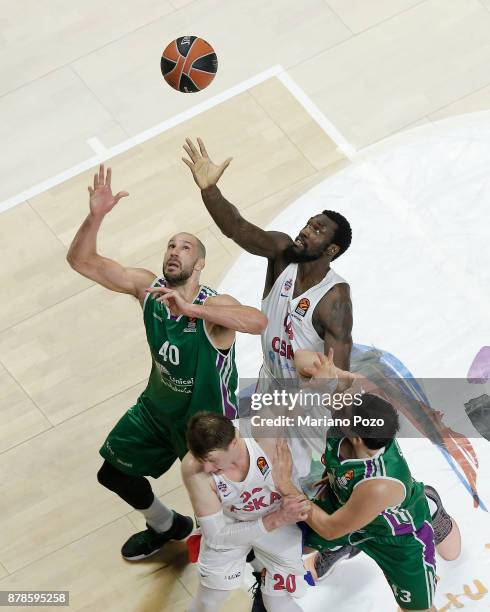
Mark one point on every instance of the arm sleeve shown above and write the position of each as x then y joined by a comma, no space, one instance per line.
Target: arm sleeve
219,534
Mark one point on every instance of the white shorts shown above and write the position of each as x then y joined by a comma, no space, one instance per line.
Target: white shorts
280,552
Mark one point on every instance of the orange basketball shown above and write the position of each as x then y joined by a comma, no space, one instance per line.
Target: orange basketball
189,64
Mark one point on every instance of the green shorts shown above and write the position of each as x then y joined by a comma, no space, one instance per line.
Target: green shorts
407,561
140,446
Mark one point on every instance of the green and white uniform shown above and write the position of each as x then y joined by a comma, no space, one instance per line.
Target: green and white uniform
188,374
400,539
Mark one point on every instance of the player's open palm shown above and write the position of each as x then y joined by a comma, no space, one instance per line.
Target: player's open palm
205,172
101,198
282,465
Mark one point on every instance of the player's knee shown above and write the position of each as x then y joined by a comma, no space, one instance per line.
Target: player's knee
106,475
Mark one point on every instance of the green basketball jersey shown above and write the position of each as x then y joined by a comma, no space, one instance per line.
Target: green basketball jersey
345,474
188,373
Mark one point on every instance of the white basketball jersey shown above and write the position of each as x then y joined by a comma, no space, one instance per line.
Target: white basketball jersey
290,324
257,495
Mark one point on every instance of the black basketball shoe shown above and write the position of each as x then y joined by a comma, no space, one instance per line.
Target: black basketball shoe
146,543
326,561
258,602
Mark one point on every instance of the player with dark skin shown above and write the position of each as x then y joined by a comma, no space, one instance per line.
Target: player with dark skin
313,250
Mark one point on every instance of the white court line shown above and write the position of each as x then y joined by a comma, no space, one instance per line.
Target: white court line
316,114
95,144
103,154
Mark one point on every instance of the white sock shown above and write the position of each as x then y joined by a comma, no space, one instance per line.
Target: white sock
158,516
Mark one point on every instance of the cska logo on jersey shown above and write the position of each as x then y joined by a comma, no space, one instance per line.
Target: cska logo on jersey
302,307
263,466
343,481
253,502
286,287
223,488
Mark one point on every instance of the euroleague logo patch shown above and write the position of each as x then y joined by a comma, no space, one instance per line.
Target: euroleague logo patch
263,465
302,307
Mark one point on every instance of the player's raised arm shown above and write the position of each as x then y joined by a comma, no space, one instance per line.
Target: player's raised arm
82,254
226,216
335,319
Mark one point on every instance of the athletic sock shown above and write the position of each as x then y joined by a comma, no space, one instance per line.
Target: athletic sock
158,516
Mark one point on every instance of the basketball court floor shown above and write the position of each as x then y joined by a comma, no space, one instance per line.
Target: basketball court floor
377,109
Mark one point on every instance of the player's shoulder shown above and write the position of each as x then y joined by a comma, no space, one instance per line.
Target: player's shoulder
336,301
267,445
281,238
156,281
340,292
190,466
388,492
206,293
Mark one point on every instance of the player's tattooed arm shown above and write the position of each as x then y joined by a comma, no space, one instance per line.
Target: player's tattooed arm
83,256
253,239
333,321
367,501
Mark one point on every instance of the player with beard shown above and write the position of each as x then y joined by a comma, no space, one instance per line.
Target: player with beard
307,303
191,334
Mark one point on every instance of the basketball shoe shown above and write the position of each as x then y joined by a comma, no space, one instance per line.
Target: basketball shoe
146,543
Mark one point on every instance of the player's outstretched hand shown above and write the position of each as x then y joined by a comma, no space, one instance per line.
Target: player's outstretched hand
101,199
282,467
205,172
172,298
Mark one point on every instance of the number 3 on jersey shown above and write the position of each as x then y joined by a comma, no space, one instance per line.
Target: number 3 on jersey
170,352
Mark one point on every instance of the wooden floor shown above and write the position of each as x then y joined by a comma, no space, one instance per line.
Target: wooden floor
74,354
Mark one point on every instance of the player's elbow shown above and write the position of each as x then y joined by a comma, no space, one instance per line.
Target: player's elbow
258,323
74,262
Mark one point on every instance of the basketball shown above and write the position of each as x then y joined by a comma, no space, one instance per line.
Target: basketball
189,64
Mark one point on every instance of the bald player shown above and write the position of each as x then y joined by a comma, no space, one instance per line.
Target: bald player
191,333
